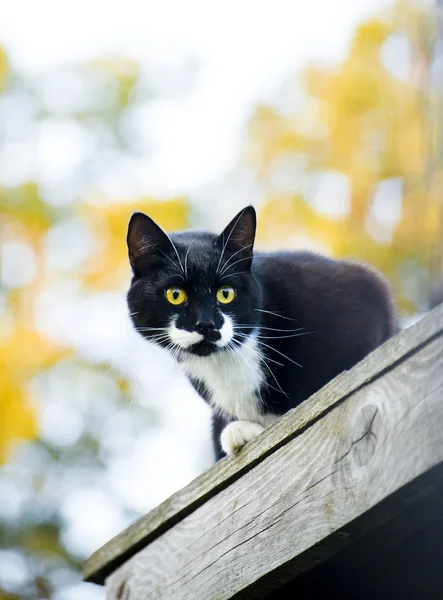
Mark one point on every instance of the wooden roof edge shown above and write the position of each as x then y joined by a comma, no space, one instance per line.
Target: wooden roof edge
127,543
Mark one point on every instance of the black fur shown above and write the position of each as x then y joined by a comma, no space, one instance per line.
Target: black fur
341,310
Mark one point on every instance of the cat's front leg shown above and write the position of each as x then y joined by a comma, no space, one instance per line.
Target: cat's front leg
235,435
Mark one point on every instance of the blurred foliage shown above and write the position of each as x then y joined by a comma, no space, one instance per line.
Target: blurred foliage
3,68
22,354
101,270
30,213
27,217
359,125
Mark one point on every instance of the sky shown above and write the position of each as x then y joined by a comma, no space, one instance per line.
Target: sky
244,50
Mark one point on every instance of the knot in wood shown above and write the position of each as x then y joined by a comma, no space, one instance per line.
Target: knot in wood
366,431
123,591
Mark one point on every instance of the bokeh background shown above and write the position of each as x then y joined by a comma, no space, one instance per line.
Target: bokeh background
327,116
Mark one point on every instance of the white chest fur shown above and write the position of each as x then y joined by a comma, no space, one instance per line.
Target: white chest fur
233,378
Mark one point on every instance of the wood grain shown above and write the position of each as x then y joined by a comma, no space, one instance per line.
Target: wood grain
297,506
400,559
290,426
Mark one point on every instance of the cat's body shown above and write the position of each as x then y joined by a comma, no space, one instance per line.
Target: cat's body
295,321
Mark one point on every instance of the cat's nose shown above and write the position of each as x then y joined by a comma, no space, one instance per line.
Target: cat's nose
205,327
208,330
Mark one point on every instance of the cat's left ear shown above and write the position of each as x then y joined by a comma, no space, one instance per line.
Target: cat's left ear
147,243
238,237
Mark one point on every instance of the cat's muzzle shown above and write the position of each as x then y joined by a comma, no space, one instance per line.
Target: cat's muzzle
207,346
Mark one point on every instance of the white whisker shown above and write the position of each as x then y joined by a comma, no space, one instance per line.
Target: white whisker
275,350
172,262
239,358
237,261
151,328
229,236
186,257
175,249
259,326
270,312
133,395
282,337
232,274
281,353
275,378
226,265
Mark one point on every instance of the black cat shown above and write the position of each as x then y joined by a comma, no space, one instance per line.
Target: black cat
256,333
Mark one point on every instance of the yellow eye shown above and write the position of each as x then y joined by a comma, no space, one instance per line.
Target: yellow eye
226,294
176,295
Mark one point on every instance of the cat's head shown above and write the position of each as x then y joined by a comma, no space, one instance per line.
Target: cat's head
193,292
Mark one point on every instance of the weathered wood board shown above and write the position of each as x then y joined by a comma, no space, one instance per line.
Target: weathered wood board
383,437
399,560
306,488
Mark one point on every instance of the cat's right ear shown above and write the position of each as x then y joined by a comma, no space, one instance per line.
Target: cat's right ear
238,237
146,243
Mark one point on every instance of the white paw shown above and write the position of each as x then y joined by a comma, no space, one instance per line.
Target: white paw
235,435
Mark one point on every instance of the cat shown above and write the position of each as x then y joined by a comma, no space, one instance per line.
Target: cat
256,333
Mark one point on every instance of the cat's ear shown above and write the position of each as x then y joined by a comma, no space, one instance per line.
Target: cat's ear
238,237
147,243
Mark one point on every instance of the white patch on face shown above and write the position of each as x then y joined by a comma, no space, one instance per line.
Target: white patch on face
226,332
181,337
233,378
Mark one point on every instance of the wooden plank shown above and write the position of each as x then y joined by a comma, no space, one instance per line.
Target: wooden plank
298,505
401,559
227,471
